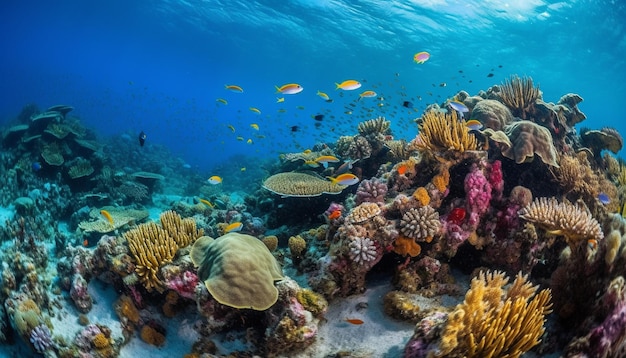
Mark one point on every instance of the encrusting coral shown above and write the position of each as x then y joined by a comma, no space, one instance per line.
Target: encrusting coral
238,270
294,184
576,224
494,323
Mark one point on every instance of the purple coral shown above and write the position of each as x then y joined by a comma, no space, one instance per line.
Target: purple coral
478,195
80,295
372,191
41,338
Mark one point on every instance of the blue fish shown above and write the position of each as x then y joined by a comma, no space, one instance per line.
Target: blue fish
36,166
459,107
604,199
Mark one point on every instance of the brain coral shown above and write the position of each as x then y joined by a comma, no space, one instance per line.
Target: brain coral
300,185
420,223
529,138
238,270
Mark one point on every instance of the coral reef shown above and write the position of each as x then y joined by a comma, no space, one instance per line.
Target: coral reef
300,185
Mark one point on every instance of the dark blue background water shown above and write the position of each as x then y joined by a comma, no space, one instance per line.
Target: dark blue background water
159,66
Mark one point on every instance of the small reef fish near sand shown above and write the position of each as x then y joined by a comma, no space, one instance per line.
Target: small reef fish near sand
234,227
290,88
234,88
421,57
354,321
206,202
344,179
107,216
215,180
348,85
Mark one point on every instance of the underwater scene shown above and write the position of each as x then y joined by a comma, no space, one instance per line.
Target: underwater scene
312,178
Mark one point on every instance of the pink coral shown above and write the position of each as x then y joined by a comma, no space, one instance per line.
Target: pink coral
478,195
496,179
79,294
184,284
372,191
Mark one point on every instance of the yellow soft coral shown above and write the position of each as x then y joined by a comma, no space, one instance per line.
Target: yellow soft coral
492,322
442,132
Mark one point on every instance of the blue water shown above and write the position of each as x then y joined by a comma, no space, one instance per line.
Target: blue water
159,66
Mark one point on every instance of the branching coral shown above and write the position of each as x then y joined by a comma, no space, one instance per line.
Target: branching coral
494,323
362,250
420,223
574,222
441,132
183,231
576,176
519,94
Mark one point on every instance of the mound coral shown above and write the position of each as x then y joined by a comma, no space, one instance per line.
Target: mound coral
574,222
238,270
420,223
529,139
492,114
294,184
494,323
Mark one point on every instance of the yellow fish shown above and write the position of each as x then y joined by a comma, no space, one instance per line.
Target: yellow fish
234,227
249,141
311,163
243,169
234,88
240,138
255,110
282,110
221,100
280,99
255,126
327,159
348,85
323,95
107,216
214,180
206,202
230,126
290,88
367,94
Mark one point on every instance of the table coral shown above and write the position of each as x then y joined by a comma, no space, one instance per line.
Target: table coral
238,270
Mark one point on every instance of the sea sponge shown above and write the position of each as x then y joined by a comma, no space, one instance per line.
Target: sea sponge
363,212
312,301
529,139
271,242
442,180
421,195
406,246
420,223
613,243
151,336
238,270
293,184
492,114
100,341
126,309
296,245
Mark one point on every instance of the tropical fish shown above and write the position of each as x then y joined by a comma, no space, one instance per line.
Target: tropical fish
306,151
240,138
474,124
215,180
456,216
206,202
142,138
36,166
421,57
459,107
311,163
402,169
592,243
242,169
255,126
367,94
230,126
255,110
348,85
107,216
300,107
295,128
354,321
604,198
344,179
290,88
234,227
319,117
345,167
323,95
280,99
407,104
327,159
221,100
234,88
249,141
334,215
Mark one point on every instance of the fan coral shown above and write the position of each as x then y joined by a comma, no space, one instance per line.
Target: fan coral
362,250
294,184
519,94
372,191
363,212
442,132
420,223
41,338
527,139
572,221
494,323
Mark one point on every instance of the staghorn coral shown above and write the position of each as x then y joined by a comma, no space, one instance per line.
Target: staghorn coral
294,184
519,95
420,223
529,139
492,114
572,221
363,212
442,132
238,270
152,248
493,323
362,250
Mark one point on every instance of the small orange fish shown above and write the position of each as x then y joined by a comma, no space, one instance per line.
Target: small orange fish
85,243
354,321
334,215
402,169
592,243
107,216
